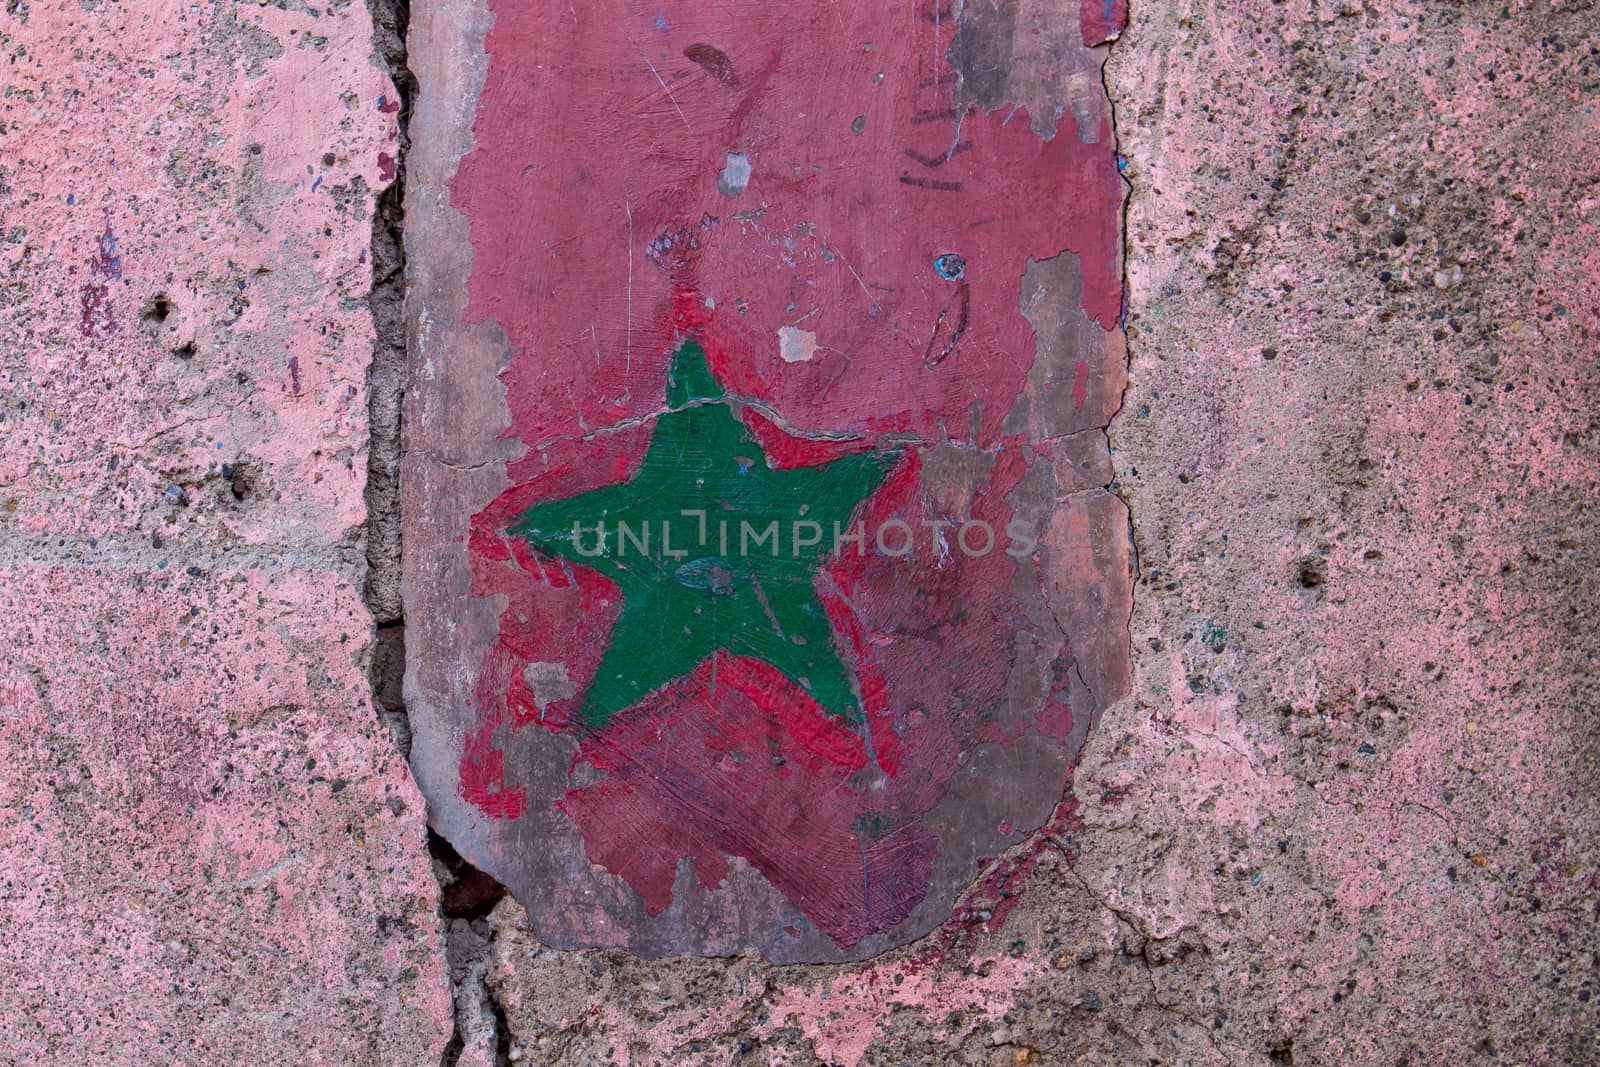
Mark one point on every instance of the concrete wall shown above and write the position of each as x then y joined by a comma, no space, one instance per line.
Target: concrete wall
212,851
1348,815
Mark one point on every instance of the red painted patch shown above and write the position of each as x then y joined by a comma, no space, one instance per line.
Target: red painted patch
785,450
95,316
836,231
483,778
726,172
1102,20
732,762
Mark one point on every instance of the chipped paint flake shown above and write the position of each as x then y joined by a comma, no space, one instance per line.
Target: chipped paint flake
796,345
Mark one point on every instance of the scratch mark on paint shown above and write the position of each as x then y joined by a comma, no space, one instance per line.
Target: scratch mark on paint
939,161
627,373
662,82
827,246
928,183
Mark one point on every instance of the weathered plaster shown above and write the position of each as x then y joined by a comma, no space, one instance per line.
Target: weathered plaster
211,850
816,758
1348,815
1359,832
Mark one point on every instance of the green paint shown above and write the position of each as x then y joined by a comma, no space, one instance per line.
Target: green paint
692,587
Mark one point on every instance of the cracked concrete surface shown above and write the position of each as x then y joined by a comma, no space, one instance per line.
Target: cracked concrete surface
1359,451
1347,816
211,851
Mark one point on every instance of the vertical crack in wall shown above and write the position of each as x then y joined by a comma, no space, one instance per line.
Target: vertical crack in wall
466,894
386,390
1110,45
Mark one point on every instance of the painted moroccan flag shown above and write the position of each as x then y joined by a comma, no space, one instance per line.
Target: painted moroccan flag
763,579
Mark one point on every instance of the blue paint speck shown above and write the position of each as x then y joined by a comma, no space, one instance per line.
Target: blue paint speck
661,22
316,183
950,266
109,263
71,200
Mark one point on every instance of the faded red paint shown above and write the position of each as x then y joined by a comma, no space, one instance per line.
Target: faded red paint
749,771
581,248
483,778
1101,20
886,230
94,297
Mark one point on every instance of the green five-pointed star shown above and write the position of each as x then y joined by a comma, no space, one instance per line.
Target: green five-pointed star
739,579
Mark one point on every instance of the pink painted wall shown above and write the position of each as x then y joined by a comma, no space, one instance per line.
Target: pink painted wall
210,851
1347,816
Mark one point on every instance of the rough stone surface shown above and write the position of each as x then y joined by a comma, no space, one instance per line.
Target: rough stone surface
210,851
1358,775
1348,815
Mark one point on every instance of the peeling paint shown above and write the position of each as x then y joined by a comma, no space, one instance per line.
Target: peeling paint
819,759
